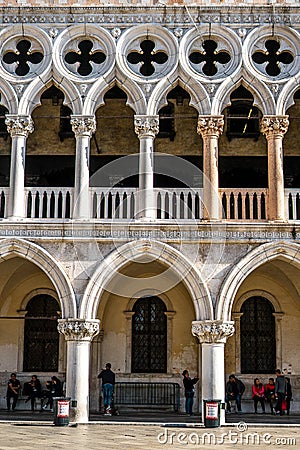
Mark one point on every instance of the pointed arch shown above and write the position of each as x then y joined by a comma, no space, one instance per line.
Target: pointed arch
199,96
263,98
286,96
12,247
9,97
289,252
32,95
135,251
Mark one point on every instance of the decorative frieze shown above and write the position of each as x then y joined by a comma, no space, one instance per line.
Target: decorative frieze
83,125
210,126
274,125
212,331
146,126
19,125
78,329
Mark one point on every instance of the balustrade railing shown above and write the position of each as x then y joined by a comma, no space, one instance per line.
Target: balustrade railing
244,204
292,203
170,203
48,203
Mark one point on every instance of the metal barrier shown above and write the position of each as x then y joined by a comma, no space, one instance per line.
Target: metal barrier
147,394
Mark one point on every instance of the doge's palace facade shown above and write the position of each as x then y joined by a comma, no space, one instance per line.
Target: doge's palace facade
149,193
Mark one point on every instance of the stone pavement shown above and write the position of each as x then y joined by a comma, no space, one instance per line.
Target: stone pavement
23,430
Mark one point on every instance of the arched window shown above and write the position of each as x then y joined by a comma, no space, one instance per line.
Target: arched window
149,336
41,337
258,345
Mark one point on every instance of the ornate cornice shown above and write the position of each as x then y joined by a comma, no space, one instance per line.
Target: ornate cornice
19,125
212,331
274,125
210,125
146,126
78,329
83,125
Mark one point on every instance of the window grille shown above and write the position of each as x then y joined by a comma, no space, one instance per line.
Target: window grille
149,336
41,338
258,344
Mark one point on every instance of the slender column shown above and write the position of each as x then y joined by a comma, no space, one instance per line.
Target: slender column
278,335
78,334
83,127
210,128
19,128
237,326
212,335
146,127
274,128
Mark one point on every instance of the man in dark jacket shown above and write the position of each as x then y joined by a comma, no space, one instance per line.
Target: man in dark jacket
13,388
280,391
108,382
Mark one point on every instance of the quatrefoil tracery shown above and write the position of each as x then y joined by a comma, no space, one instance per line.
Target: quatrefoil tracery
273,57
210,56
22,56
84,56
147,57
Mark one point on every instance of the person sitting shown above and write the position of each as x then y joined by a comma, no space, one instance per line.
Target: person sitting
13,389
53,390
270,395
258,395
33,390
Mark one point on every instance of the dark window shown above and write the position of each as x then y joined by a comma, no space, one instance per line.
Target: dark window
65,127
166,122
3,128
149,336
258,346
242,118
41,337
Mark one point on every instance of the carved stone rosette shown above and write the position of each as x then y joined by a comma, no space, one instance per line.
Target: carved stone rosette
19,125
83,125
212,331
274,125
78,329
210,125
146,126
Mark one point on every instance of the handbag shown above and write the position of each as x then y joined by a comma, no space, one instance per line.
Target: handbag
284,405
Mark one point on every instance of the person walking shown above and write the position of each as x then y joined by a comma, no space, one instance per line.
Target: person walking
108,383
189,391
280,391
258,395
13,388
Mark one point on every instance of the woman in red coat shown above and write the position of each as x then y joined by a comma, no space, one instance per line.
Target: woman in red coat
258,395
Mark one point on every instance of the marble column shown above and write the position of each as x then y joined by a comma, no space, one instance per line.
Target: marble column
210,128
274,128
78,334
83,128
146,127
212,335
19,128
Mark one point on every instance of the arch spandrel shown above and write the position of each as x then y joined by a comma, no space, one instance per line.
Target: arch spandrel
133,252
288,252
12,247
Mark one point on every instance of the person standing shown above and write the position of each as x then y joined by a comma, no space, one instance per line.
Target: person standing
189,391
13,388
289,395
108,383
258,395
280,391
240,387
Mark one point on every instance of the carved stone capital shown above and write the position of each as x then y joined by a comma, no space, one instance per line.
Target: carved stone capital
19,125
212,331
83,125
146,126
274,125
210,126
78,329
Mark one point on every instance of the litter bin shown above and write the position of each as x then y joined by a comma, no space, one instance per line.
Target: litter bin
61,407
212,411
